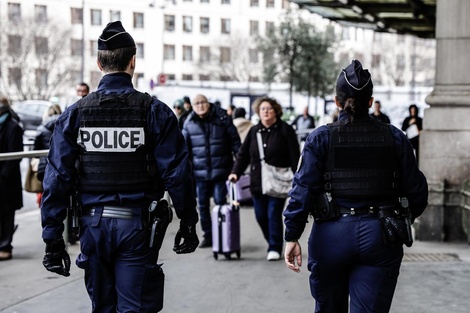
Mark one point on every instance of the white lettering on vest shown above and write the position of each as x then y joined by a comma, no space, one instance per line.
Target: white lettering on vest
104,139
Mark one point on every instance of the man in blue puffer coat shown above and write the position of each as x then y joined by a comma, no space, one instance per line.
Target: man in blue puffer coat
213,141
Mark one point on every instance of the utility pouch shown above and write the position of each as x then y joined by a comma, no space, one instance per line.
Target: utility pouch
325,208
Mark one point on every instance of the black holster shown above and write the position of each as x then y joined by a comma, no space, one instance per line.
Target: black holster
325,208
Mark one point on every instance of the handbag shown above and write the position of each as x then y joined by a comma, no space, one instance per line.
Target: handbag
32,183
275,181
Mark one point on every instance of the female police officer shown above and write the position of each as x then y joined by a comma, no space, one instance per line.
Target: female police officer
358,178
128,149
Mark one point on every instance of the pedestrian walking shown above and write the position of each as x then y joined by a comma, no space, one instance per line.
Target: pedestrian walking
213,142
11,191
281,149
359,179
118,150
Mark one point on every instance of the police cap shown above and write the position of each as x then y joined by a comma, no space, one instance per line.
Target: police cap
354,81
114,36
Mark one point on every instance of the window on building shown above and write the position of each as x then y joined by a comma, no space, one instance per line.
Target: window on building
169,23
95,77
170,76
204,53
285,4
187,24
138,20
41,45
253,79
187,77
95,16
270,3
204,77
93,48
254,3
76,15
254,28
187,53
204,21
375,60
400,61
140,50
76,76
169,52
253,55
224,55
14,44
40,13
41,78
269,28
225,26
225,78
205,1
14,76
114,16
225,1
138,80
76,47
14,12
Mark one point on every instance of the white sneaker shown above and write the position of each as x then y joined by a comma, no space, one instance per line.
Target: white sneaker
273,256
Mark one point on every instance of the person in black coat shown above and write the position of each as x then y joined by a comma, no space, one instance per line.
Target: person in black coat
281,149
11,191
412,126
213,141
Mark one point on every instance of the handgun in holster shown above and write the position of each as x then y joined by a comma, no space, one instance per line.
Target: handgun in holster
160,216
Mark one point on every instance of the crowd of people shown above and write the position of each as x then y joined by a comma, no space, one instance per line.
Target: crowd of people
191,152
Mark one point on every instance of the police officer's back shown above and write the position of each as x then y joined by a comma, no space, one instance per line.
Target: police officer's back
359,179
117,150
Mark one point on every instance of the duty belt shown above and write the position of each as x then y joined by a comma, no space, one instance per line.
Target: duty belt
367,210
111,212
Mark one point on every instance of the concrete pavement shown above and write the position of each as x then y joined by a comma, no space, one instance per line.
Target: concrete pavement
434,278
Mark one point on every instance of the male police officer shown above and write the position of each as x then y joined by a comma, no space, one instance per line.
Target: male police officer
120,149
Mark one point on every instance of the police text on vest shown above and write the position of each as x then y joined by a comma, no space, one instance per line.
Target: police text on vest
104,139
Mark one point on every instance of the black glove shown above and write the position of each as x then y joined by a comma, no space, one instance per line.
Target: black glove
396,231
56,259
191,241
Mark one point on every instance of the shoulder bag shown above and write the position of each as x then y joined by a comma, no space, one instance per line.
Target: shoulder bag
275,181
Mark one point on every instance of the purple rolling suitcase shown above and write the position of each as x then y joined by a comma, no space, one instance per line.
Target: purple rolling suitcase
226,227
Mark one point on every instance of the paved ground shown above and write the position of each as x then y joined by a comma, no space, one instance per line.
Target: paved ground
435,277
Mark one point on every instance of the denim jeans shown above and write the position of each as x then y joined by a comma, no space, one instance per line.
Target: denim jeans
204,191
268,212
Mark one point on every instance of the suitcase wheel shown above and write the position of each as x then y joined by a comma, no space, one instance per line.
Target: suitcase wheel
238,254
228,256
216,255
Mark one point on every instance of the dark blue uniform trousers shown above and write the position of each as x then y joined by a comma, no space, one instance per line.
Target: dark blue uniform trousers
121,272
349,258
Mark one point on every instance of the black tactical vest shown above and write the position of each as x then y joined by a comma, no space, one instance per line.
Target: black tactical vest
361,161
115,154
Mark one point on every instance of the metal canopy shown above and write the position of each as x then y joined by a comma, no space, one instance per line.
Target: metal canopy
414,17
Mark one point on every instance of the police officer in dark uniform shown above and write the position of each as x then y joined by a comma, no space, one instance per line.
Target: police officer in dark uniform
359,179
119,149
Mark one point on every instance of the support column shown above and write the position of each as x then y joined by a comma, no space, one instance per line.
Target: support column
445,140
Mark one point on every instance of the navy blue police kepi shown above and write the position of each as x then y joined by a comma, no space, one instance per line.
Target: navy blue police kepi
355,81
114,36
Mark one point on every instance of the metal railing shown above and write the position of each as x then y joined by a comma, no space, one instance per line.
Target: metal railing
23,154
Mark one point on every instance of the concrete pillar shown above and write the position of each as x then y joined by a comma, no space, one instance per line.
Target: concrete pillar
445,140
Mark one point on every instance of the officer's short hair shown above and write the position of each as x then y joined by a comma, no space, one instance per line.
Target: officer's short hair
117,59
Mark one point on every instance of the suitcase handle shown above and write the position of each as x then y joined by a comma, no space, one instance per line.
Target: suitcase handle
233,195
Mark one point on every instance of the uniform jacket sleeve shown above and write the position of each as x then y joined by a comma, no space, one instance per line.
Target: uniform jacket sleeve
174,166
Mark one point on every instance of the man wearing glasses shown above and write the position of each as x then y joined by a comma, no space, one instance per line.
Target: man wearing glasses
213,141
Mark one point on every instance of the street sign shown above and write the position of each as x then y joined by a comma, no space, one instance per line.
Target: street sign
161,79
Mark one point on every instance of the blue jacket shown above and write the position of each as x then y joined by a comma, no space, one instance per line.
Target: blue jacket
171,155
213,142
308,180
